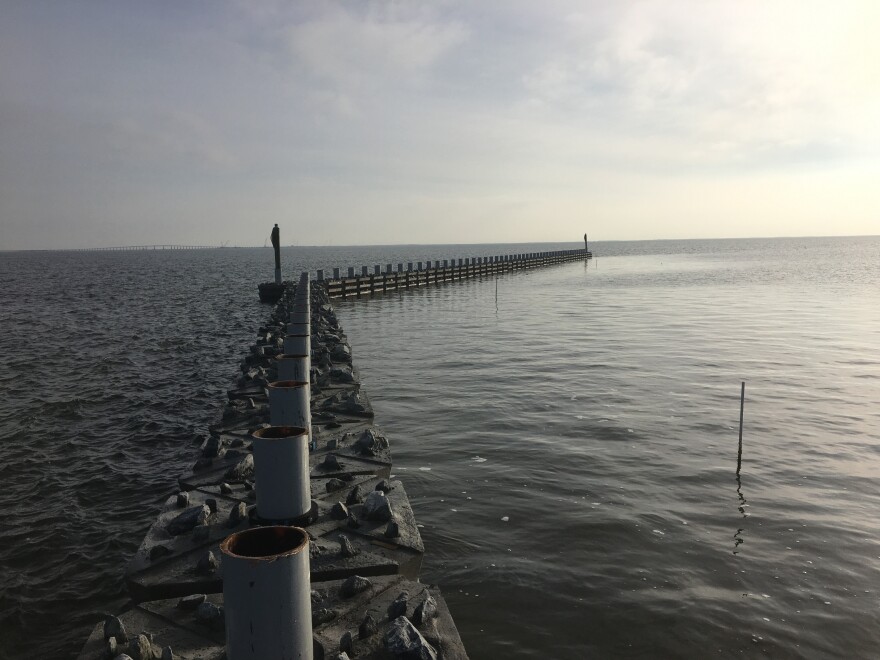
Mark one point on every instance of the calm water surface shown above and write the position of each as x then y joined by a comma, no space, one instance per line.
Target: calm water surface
570,450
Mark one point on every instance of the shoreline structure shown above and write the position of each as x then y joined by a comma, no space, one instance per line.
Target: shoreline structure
364,551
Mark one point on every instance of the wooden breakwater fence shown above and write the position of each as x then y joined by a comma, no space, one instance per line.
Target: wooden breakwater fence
375,280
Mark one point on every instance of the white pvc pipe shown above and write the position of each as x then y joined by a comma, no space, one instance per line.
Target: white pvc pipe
289,403
267,594
299,328
297,345
281,472
294,367
300,317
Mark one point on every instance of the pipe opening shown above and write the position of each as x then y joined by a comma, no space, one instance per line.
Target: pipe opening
265,542
278,432
289,356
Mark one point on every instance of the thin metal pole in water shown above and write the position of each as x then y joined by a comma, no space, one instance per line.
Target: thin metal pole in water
742,403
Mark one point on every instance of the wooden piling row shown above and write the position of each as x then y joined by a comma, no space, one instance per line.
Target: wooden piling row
436,272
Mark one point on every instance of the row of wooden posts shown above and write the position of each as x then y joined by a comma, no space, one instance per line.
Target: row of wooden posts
433,272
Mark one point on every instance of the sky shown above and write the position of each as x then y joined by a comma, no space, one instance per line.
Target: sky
206,122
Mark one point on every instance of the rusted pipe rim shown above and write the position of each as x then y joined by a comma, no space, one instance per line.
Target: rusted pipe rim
265,543
279,432
289,356
287,384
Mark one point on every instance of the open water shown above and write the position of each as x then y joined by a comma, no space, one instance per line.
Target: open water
568,437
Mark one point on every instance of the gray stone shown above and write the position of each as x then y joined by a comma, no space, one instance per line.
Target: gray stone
159,551
208,564
225,488
331,463
404,641
123,656
377,507
243,470
213,447
346,643
167,653
237,514
346,549
392,531
141,648
209,615
113,628
335,484
112,648
211,504
399,606
182,499
342,655
354,496
341,375
333,443
367,444
341,353
201,533
339,511
368,627
189,603
322,616
353,403
425,611
352,522
354,585
185,521
384,486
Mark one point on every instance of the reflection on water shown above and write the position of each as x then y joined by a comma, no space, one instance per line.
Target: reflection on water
603,406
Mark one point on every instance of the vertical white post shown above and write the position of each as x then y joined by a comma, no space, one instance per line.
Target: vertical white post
267,594
281,469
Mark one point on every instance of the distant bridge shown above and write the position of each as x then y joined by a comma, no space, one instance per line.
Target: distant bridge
128,248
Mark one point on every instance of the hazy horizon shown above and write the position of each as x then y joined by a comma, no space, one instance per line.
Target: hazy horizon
436,123
357,245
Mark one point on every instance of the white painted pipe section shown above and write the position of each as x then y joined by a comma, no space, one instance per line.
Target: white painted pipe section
267,594
299,328
289,403
294,367
281,472
297,345
300,316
